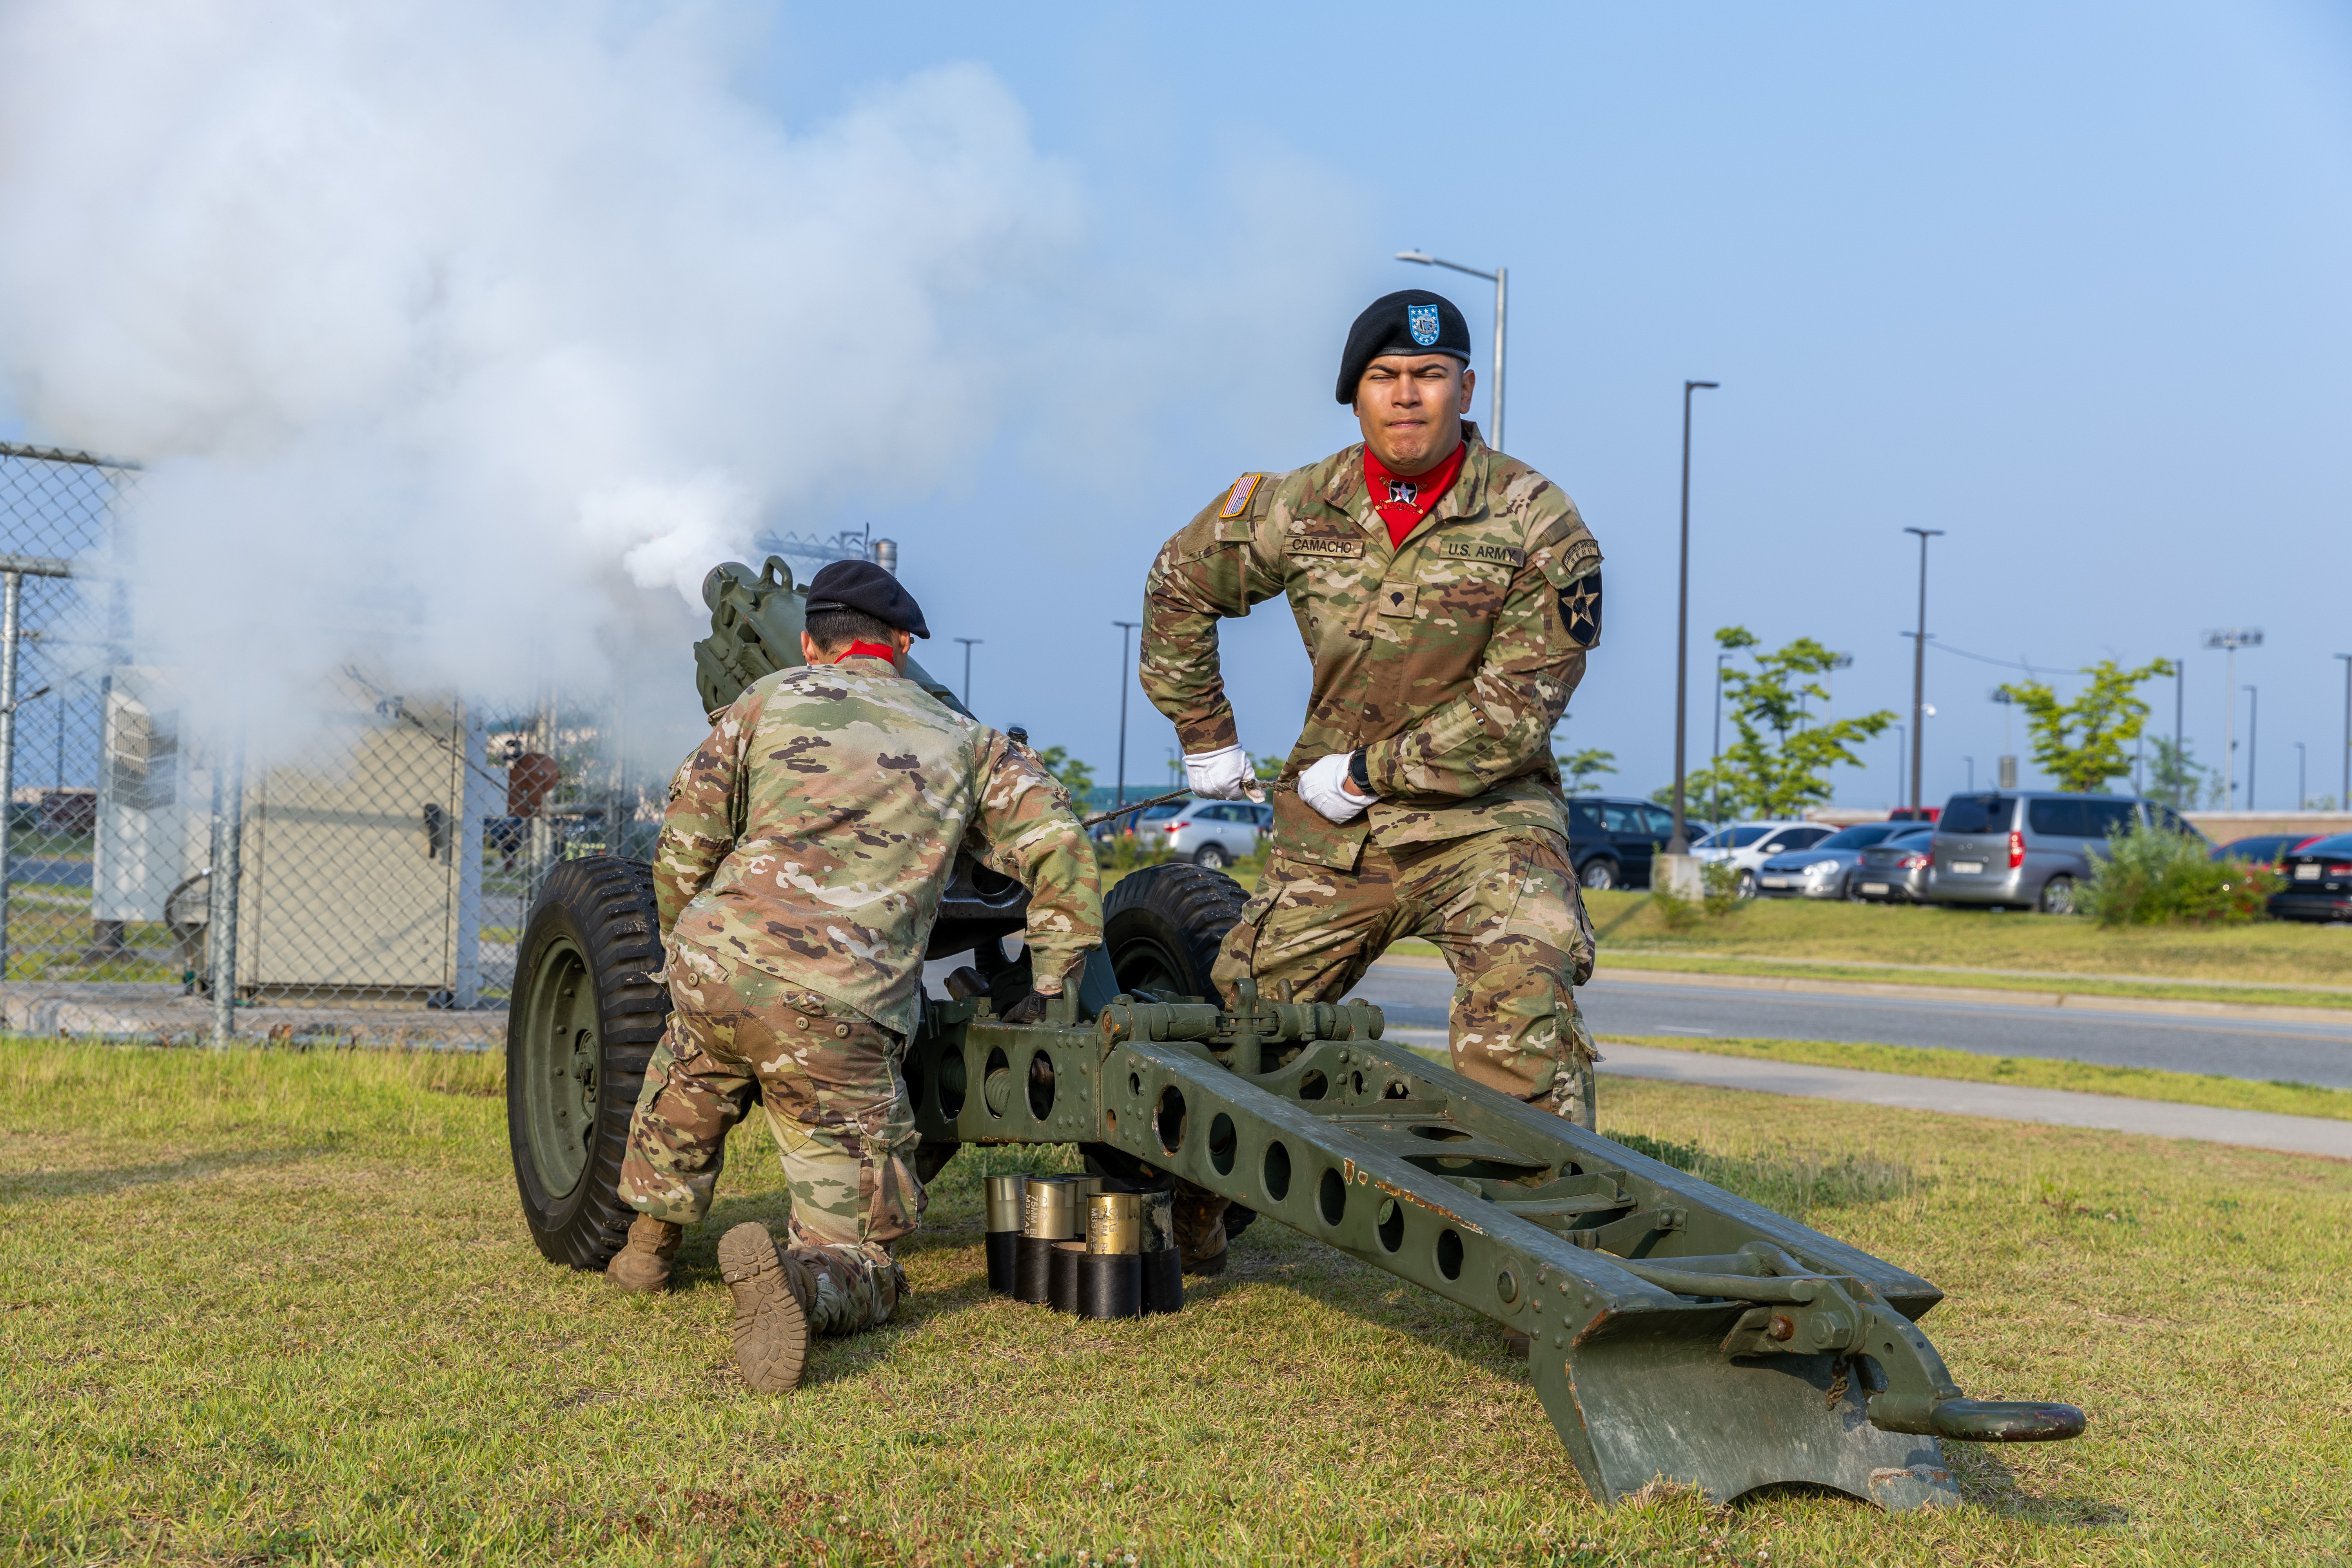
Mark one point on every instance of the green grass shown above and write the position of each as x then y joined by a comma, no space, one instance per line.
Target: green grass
2026,1072
279,1308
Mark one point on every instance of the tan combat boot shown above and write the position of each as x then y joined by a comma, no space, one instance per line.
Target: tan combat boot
641,1267
1199,1229
774,1292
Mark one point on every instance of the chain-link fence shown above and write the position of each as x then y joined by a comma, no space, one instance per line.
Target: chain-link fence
366,884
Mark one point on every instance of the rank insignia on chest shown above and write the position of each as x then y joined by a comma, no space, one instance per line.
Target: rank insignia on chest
1422,320
1323,545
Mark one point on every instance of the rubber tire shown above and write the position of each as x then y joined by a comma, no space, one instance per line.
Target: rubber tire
1600,874
1212,856
1174,917
603,908
2043,903
1164,924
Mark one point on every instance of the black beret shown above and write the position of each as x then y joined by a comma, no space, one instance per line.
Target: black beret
863,585
1409,321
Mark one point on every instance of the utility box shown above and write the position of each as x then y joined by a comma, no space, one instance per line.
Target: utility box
361,847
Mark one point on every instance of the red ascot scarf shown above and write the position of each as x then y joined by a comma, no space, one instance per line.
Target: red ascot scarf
870,650
1403,502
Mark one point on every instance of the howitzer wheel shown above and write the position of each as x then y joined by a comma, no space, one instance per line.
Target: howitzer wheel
1162,926
585,1017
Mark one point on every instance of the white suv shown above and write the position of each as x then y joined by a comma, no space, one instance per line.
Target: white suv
1745,846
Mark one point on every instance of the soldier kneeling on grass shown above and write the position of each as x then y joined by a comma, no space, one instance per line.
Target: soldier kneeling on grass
802,861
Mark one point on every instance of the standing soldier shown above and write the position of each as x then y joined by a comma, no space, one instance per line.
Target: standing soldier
1447,596
800,866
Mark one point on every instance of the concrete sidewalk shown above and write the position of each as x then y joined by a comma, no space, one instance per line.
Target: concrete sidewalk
2005,1102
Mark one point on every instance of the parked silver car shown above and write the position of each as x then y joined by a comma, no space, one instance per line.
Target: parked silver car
1822,872
1896,870
1212,833
2028,849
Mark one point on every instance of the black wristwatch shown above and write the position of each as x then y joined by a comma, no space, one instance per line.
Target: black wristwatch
1357,774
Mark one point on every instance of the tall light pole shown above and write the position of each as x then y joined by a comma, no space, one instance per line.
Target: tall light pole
1124,682
2301,790
968,645
2344,801
2229,640
1919,661
1898,764
2253,739
1499,278
2179,757
1680,843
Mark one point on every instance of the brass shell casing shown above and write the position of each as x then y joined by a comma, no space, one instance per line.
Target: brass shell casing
1114,1223
1004,1202
1050,1209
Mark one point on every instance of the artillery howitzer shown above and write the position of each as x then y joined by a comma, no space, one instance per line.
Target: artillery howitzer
1675,1330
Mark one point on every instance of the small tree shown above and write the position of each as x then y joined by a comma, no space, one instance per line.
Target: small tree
2081,743
2175,776
1076,777
1781,772
1579,768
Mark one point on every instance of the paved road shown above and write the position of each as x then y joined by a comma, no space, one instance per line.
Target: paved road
2319,1053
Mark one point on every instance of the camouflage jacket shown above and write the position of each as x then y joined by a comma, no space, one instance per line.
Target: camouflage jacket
1449,659
812,835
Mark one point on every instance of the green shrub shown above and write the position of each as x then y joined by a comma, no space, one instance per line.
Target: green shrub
1720,880
2155,878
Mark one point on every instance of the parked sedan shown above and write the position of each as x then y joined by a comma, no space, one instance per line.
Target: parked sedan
1212,832
1745,846
1820,872
2265,848
1897,868
2318,882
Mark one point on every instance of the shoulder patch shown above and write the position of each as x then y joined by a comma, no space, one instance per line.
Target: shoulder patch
1237,500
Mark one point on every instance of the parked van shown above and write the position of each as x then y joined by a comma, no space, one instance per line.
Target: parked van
2028,849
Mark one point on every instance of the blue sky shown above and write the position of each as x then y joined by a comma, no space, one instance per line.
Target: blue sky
2066,282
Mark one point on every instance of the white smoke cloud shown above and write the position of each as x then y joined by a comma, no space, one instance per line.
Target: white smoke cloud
448,330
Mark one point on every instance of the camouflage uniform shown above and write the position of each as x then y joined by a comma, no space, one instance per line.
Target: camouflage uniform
1448,659
799,875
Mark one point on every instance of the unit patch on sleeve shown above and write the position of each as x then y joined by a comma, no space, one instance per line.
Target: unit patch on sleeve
1580,607
1472,549
1237,501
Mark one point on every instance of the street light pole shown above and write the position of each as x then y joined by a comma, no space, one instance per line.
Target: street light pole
1680,843
1919,662
2179,757
1898,764
2302,785
1124,627
2230,641
2253,739
1500,277
968,644
2344,801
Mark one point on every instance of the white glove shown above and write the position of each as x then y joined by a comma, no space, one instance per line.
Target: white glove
1323,787
1218,776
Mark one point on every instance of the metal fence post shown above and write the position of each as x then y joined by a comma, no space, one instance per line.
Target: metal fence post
475,804
12,599
220,921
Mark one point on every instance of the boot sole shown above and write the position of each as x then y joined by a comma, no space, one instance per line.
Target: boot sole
771,1331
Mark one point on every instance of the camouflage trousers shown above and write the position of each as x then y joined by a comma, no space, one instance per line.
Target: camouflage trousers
1504,908
828,1079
